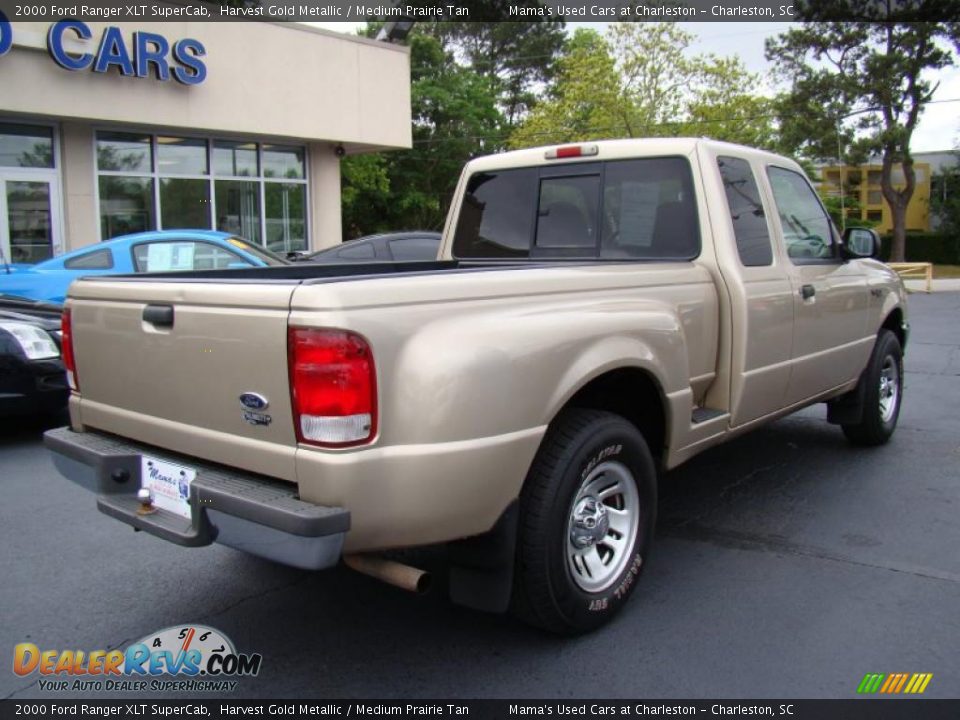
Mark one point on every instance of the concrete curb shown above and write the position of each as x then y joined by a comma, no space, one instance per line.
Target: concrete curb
937,285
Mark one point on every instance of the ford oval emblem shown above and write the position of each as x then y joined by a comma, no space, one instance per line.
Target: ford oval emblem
254,401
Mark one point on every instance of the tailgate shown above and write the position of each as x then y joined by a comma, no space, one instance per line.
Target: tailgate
167,363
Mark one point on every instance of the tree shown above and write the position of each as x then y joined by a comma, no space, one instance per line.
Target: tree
640,80
859,72
454,110
945,198
516,58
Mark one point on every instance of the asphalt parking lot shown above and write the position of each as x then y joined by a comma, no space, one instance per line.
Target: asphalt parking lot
788,564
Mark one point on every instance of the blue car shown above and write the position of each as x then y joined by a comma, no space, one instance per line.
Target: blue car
156,251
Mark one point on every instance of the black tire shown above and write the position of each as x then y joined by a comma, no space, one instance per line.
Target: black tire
877,423
580,445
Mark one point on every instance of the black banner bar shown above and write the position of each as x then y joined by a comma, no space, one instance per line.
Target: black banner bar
858,709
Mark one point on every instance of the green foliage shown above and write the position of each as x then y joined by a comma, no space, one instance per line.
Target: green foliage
935,248
945,199
453,110
640,81
865,80
516,58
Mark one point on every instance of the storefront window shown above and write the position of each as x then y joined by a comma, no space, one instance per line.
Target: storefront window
284,162
181,156
29,217
238,208
258,192
124,152
126,205
26,146
184,203
237,159
286,218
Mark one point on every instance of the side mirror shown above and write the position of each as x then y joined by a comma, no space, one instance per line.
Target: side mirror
860,243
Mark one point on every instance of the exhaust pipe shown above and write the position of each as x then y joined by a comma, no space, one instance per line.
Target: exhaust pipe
391,572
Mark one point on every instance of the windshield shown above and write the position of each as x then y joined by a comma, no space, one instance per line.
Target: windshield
268,257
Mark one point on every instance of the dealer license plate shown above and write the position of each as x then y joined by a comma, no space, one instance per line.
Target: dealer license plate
168,483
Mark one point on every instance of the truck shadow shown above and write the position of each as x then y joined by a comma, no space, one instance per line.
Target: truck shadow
368,633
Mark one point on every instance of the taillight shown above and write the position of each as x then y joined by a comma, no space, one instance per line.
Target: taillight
333,384
571,151
66,349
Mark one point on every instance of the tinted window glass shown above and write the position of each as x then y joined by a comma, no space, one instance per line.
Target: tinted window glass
567,212
181,156
184,203
286,216
806,227
234,158
126,205
126,152
280,161
496,216
26,146
360,251
414,249
649,210
746,212
97,260
183,255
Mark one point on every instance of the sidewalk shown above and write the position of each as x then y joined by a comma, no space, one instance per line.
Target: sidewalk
939,285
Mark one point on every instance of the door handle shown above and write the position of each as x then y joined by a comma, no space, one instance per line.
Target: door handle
159,315
806,292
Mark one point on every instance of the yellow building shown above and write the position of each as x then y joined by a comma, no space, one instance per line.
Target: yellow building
863,183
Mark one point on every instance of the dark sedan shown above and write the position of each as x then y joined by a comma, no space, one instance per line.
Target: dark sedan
32,377
412,246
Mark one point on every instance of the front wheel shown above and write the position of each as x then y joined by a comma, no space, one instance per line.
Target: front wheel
588,511
882,393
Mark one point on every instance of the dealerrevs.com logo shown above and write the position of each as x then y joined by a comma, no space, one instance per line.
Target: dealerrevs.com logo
201,658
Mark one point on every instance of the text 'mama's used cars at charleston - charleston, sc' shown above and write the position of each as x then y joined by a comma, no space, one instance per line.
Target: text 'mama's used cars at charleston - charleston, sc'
600,313
153,251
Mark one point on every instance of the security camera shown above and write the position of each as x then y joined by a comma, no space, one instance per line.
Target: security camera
339,151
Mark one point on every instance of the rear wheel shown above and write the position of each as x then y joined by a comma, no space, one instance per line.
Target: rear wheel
882,393
588,510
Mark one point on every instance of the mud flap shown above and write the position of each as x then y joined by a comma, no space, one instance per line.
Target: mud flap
481,567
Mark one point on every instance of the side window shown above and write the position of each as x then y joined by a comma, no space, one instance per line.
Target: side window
649,210
184,255
96,260
567,212
806,227
496,216
360,251
746,212
421,249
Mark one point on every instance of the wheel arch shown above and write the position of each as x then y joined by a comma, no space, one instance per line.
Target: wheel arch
635,394
894,322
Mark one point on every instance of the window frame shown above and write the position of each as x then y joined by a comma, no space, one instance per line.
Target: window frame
571,169
165,241
406,240
771,231
155,175
836,258
95,251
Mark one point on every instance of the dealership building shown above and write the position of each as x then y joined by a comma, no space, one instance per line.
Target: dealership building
113,128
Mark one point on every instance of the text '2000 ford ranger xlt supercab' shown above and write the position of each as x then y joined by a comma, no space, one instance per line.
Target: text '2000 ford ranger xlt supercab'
600,312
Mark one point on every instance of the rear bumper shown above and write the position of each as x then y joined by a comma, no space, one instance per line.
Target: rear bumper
242,510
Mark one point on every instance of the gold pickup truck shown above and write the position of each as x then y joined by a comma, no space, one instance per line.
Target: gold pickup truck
599,313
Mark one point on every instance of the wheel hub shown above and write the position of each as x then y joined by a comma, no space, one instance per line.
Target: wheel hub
589,522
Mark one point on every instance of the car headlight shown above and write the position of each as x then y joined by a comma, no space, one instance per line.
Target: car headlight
35,342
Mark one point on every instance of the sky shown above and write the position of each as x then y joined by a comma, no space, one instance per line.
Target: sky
939,127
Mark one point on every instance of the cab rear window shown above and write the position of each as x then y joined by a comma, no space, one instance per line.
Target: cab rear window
641,209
